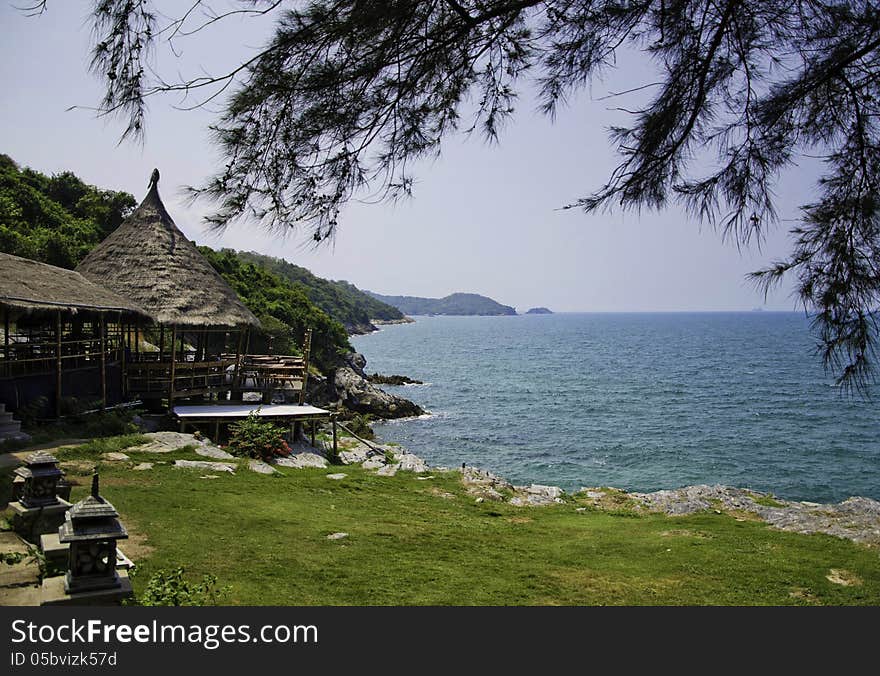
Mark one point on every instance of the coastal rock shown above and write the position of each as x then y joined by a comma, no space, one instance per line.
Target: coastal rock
337,536
204,464
354,456
115,457
214,452
166,442
388,470
410,463
483,484
356,393
473,476
395,380
301,460
486,493
856,519
337,477
551,492
356,362
543,500
375,462
143,466
539,495
260,467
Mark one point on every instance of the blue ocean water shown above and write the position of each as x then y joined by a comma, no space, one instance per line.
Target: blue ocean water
637,401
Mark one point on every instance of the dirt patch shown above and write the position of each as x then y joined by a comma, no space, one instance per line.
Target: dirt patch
743,515
135,547
441,494
519,519
843,577
685,533
804,595
119,481
614,589
78,467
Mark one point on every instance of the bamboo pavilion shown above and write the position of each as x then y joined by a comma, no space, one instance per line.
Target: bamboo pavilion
197,341
62,338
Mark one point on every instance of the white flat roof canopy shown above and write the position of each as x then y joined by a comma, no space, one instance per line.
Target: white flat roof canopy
243,410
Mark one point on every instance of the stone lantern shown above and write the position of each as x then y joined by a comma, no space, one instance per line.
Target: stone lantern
38,509
91,529
41,476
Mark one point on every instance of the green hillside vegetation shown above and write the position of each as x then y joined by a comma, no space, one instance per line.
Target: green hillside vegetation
454,304
340,299
55,219
282,308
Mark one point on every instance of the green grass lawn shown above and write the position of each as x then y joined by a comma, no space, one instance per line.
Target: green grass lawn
417,541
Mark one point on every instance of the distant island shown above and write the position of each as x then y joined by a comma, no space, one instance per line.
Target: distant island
539,311
454,304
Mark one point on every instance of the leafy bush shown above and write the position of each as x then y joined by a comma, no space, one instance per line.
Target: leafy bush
173,589
360,425
257,438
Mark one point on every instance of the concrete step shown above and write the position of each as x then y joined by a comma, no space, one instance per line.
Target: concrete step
2,407
7,429
18,436
5,416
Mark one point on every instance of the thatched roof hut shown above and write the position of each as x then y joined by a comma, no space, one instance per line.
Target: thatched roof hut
29,286
150,261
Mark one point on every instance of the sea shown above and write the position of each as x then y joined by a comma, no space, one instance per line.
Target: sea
642,402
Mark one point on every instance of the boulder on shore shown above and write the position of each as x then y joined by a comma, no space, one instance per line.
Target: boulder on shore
356,393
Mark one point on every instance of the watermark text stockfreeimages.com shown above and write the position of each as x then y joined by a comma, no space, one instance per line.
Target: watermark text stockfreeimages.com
210,636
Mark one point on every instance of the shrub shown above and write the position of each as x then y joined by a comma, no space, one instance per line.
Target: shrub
173,589
360,425
257,438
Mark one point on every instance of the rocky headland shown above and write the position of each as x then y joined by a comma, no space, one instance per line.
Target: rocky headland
347,388
396,380
389,322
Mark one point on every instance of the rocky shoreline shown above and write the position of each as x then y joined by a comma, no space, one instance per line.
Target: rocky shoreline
347,389
856,519
389,322
350,388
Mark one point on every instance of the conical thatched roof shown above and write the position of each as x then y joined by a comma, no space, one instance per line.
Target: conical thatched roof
150,261
32,286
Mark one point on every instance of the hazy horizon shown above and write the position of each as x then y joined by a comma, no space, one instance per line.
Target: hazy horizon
484,219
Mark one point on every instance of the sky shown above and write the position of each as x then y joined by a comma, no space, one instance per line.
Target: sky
484,218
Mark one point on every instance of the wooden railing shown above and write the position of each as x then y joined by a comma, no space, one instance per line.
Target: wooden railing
145,378
266,373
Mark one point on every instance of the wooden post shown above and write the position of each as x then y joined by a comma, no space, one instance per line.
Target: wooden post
173,355
313,432
335,449
58,364
6,357
307,348
161,341
121,338
236,373
137,338
102,329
